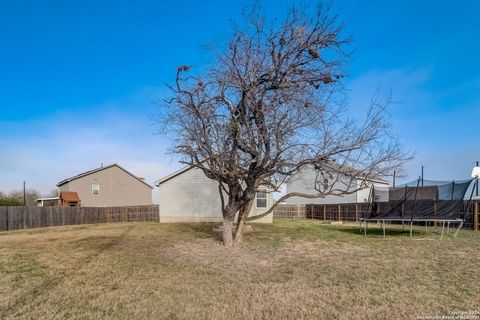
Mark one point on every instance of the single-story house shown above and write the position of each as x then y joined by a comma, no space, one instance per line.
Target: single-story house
304,181
187,195
108,186
66,199
48,202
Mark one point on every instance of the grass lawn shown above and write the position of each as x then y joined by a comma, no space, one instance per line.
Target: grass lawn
288,270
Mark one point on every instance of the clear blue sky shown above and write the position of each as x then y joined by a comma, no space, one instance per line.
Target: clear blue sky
77,79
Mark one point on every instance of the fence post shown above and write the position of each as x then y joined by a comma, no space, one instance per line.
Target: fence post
324,213
6,218
475,216
356,211
339,218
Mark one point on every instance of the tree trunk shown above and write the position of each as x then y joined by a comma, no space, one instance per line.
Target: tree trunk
239,232
227,231
242,216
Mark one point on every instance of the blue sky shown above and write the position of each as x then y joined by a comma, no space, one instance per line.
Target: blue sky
78,78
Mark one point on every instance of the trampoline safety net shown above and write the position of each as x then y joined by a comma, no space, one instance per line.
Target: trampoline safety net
427,200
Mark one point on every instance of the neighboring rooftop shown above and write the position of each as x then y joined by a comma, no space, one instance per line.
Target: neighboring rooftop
346,170
86,173
173,175
69,196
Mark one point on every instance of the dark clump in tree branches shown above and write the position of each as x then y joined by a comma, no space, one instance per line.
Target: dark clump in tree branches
269,107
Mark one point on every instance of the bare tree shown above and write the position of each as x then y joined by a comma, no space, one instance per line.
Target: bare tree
53,193
269,107
31,196
6,201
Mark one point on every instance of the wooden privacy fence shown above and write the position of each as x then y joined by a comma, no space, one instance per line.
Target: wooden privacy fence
15,218
327,212
355,211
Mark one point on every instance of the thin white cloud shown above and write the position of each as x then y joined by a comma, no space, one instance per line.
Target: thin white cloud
45,151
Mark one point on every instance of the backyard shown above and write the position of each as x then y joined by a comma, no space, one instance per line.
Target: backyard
288,270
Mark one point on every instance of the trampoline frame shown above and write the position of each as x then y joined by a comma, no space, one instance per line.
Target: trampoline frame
443,221
458,220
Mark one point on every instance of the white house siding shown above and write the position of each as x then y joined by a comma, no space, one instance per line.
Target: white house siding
304,182
191,197
362,195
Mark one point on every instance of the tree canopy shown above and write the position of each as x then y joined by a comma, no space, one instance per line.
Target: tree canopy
271,105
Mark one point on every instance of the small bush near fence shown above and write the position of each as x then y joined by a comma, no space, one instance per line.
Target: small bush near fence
15,218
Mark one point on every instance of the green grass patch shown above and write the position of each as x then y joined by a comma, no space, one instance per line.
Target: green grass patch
287,270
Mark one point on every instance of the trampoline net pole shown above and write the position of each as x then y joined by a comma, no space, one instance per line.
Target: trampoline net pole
475,187
434,202
413,209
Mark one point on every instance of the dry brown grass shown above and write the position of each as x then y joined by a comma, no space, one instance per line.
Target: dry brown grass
289,270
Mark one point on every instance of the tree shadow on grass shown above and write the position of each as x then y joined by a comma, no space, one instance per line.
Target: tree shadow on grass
206,230
376,232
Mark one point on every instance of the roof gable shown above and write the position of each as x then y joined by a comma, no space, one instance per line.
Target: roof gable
86,173
173,175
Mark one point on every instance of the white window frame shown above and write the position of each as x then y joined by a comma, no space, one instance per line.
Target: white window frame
266,198
97,189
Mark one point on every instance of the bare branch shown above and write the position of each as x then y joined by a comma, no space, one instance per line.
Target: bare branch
271,106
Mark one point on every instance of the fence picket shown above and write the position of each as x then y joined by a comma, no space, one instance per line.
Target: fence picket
15,218
354,211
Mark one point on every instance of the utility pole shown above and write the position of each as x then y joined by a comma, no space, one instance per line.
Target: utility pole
394,174
476,189
24,195
422,175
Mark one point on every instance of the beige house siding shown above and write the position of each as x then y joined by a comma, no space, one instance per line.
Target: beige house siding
191,197
304,182
117,188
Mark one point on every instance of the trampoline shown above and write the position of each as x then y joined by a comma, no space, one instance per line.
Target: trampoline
420,201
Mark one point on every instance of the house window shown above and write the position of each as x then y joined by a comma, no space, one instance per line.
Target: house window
322,184
261,198
95,188
325,184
